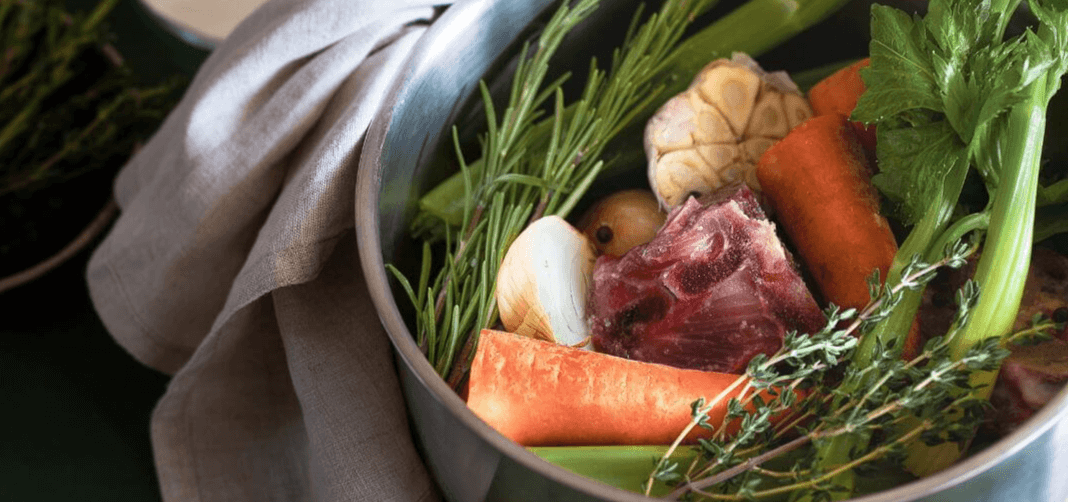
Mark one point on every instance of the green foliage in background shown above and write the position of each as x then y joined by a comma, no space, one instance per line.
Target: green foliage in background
70,110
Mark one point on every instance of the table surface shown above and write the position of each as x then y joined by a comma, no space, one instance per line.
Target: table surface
76,406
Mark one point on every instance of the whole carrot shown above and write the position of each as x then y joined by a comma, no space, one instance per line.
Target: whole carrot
818,181
539,393
838,93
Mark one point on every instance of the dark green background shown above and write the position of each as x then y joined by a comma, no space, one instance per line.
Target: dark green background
75,407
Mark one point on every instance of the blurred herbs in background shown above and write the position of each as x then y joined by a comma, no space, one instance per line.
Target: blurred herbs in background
71,114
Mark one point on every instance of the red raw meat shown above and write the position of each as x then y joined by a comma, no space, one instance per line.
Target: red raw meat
714,288
1033,374
1031,377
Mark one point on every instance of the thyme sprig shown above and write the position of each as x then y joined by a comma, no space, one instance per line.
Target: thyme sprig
1040,329
922,399
507,187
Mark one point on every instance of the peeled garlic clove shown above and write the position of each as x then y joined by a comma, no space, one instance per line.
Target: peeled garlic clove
543,282
713,133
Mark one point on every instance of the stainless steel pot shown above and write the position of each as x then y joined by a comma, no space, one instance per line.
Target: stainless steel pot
402,158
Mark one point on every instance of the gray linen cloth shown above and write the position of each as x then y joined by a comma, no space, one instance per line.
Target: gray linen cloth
233,265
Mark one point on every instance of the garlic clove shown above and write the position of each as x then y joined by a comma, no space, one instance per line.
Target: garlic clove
719,156
768,119
681,174
543,283
731,89
797,109
753,148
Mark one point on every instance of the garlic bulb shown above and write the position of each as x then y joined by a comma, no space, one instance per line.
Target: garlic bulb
713,133
543,282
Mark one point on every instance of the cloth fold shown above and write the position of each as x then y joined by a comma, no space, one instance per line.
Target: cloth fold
233,265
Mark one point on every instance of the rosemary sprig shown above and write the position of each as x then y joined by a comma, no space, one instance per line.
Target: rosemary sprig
64,39
70,109
67,101
509,186
929,387
753,28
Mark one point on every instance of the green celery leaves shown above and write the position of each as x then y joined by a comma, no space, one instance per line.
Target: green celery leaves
901,70
935,86
913,163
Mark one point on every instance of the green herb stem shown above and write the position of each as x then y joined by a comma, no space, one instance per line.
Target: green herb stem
829,474
699,413
864,424
66,42
753,28
990,96
1002,268
891,332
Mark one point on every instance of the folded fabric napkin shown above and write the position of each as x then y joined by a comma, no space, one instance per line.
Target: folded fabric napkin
233,265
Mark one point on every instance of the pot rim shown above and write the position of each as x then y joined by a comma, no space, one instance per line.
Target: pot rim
370,250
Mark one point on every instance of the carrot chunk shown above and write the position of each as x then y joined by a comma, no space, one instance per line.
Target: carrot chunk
819,183
543,394
838,93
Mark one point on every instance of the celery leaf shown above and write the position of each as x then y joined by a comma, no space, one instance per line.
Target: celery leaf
900,54
913,160
936,87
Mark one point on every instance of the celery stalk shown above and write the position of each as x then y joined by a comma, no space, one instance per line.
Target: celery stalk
1005,148
1002,269
625,467
753,28
894,329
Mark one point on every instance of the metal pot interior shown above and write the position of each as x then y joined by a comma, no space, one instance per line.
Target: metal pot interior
408,150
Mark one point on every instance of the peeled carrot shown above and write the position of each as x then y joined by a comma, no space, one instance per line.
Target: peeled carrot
538,393
818,182
838,93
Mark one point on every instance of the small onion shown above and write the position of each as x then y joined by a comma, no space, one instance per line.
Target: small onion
622,221
543,282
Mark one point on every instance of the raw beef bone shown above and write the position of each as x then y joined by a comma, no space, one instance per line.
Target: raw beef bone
1030,378
1033,374
1045,292
713,289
